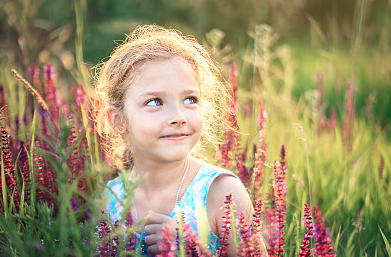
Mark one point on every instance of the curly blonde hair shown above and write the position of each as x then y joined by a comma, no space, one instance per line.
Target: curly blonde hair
154,43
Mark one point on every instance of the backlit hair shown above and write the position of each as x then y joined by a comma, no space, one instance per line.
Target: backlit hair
154,43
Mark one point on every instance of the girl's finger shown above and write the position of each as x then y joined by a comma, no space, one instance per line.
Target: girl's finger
155,218
153,249
153,229
153,239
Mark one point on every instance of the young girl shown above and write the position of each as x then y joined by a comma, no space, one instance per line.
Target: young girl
162,102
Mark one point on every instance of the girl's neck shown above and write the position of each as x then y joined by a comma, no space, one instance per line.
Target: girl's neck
159,175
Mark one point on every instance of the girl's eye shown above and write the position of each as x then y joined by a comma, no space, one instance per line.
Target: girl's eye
154,102
191,100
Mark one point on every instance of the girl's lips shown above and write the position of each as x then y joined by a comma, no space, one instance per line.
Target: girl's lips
175,137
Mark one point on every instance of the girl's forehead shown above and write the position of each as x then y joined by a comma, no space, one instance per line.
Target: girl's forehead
159,73
168,63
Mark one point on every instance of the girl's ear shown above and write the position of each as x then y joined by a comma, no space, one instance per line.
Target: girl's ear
116,120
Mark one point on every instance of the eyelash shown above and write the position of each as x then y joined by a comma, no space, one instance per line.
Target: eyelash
192,98
154,100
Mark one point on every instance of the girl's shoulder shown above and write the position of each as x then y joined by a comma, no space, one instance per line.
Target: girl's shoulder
115,187
116,182
207,175
211,170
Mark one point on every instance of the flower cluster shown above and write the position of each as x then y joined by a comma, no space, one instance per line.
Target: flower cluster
323,246
51,109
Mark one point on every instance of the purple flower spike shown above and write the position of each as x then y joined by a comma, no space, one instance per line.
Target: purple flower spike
74,203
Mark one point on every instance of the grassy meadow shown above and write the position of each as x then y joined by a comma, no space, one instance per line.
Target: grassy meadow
325,95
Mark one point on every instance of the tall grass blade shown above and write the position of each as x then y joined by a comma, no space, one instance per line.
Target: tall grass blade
387,243
80,7
31,161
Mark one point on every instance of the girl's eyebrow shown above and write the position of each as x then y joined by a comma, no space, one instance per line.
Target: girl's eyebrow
152,93
162,93
191,91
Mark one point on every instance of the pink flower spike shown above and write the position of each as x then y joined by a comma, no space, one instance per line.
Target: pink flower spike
246,248
305,250
9,168
225,230
257,218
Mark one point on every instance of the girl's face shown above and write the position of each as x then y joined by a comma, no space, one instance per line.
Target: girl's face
162,110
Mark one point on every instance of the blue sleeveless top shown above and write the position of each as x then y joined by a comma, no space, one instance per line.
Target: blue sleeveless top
194,197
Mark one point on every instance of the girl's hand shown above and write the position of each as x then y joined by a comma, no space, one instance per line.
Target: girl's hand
154,227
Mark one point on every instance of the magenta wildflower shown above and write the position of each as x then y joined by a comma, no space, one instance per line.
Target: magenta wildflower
233,73
131,244
44,116
34,71
260,160
2,96
261,118
56,104
192,242
39,174
232,145
50,91
9,167
167,245
323,246
257,218
129,220
3,103
242,170
246,248
225,230
76,162
50,182
80,97
23,164
106,248
225,152
305,250
275,214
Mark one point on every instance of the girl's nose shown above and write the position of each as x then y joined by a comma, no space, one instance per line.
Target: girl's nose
177,117
178,122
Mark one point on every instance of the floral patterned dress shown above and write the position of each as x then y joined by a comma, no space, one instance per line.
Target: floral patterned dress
192,204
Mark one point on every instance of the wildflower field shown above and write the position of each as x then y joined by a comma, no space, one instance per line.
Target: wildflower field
313,148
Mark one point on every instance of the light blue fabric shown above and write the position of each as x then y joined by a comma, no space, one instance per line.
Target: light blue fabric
195,195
